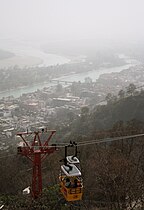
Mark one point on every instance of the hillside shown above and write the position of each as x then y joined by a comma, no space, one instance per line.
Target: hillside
125,109
112,172
106,116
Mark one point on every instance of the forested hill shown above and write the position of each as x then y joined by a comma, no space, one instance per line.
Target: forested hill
105,117
125,109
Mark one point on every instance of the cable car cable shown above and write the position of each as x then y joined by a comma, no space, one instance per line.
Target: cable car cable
91,142
109,140
7,156
97,141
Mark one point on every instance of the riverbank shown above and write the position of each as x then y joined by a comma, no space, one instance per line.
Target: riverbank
21,61
94,75
24,55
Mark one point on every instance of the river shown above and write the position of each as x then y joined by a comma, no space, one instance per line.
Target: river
30,56
94,74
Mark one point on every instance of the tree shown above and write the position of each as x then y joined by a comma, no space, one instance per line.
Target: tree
84,111
110,98
75,88
121,94
116,174
88,80
59,88
71,116
131,89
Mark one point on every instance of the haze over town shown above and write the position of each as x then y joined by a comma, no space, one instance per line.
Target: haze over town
74,68
46,21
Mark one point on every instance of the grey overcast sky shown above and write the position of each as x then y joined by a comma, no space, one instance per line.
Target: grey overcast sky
53,20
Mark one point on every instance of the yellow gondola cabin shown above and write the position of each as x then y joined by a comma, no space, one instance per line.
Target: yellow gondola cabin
71,183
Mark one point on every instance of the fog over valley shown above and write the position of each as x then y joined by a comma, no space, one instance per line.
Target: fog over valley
30,29
79,38
48,21
72,85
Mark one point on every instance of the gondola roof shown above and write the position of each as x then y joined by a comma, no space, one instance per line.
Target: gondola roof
70,170
72,159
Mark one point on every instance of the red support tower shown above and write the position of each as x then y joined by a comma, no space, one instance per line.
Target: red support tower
36,151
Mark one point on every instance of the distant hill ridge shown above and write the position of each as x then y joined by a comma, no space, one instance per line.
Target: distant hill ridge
5,54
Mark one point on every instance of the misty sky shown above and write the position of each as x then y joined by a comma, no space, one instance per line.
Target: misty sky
53,20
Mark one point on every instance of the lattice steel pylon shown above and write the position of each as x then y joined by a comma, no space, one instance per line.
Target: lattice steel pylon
36,151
